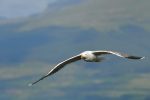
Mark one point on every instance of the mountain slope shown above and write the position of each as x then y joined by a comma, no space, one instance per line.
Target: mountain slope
98,14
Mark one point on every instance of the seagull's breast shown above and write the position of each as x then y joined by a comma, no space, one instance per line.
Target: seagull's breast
88,56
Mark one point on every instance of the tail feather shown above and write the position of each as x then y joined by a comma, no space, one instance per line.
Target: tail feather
99,59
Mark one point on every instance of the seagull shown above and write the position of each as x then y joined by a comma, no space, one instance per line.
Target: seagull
88,56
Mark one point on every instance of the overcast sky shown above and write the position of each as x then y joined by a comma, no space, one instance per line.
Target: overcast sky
17,8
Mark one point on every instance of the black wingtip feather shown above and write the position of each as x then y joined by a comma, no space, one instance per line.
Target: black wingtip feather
135,57
37,80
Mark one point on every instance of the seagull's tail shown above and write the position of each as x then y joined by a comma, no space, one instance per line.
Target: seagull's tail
99,59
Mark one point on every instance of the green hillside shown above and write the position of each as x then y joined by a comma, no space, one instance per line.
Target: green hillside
98,14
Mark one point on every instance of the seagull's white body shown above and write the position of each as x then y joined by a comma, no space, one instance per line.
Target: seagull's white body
89,56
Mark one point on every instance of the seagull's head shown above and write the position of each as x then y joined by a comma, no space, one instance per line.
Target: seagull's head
84,56
88,56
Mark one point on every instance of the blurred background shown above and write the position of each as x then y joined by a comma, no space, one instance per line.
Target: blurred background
35,35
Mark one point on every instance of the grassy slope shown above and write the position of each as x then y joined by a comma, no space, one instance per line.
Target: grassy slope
98,14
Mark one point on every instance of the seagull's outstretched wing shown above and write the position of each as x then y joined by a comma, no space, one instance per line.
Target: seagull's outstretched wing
58,67
117,54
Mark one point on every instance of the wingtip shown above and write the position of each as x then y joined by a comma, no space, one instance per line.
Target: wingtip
142,57
135,57
30,84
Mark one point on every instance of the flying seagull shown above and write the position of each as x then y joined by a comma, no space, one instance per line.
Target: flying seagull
89,56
